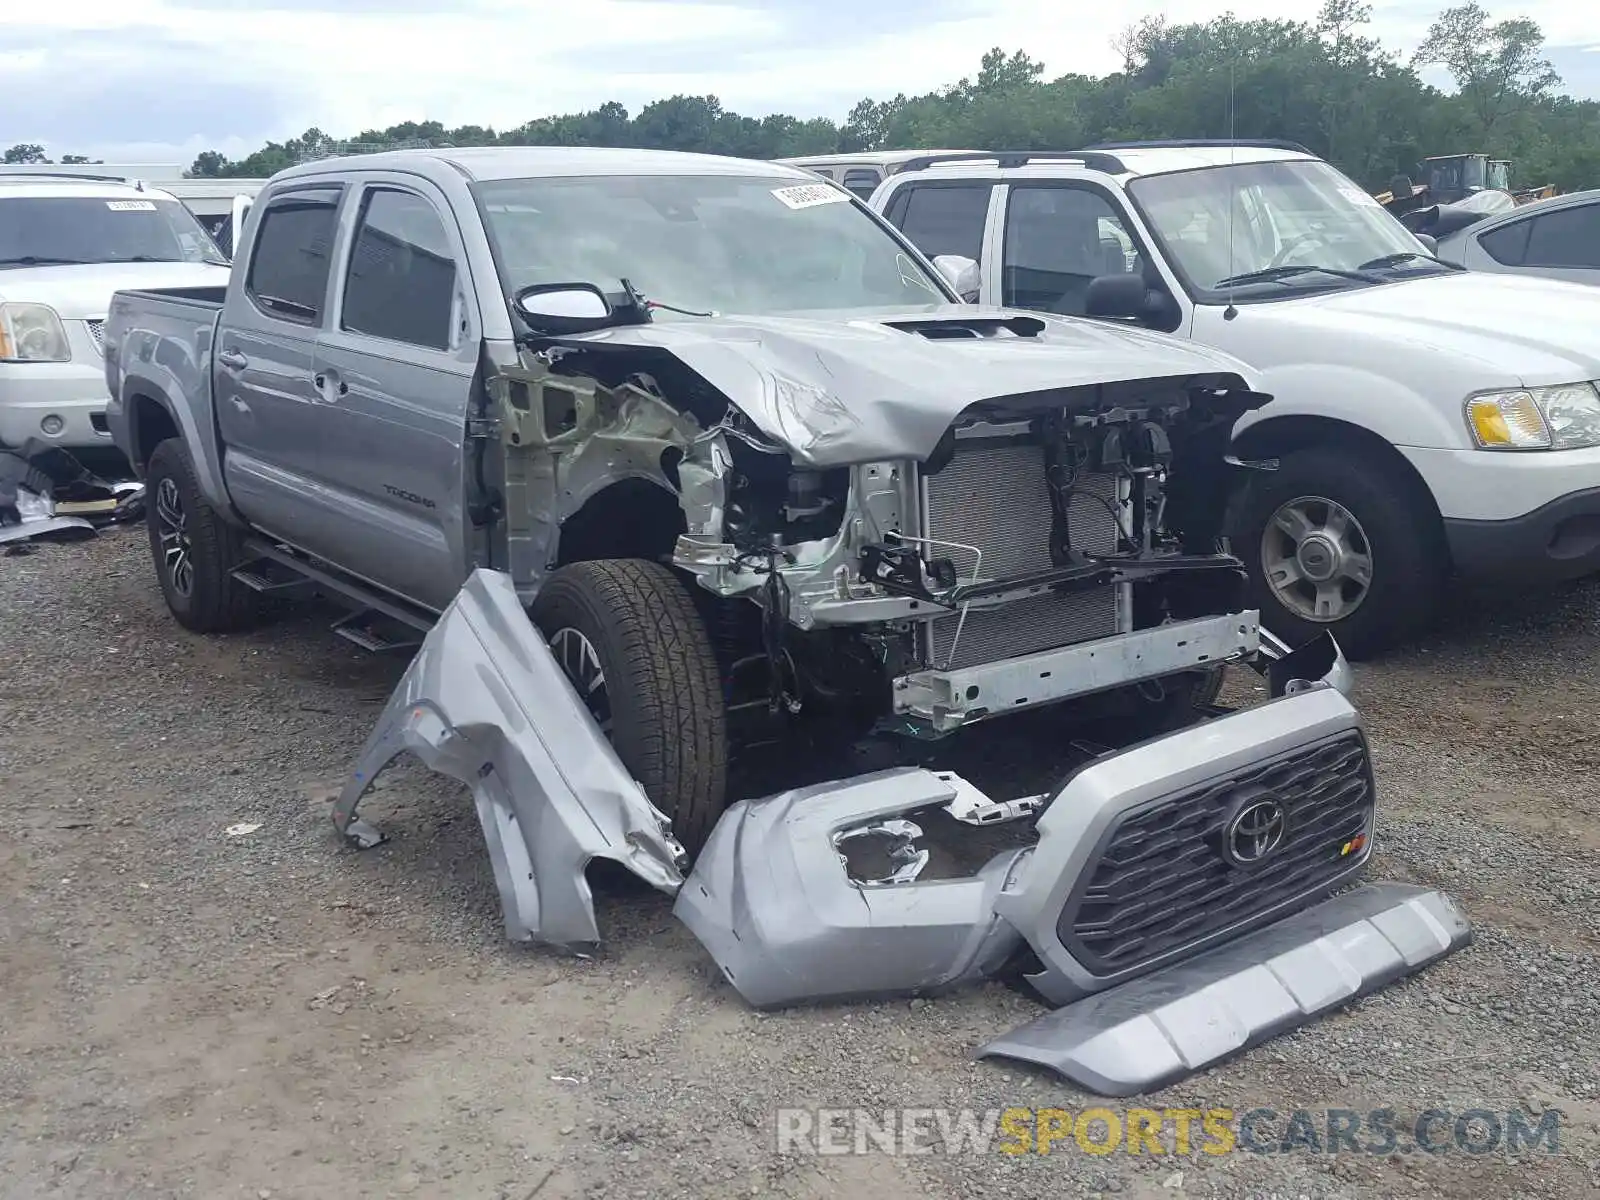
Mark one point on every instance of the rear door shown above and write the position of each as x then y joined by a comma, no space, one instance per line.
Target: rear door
267,400
396,366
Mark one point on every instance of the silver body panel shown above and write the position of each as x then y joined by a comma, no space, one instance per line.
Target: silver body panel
1156,1030
485,703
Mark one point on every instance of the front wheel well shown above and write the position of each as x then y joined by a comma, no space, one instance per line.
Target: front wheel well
1278,436
632,518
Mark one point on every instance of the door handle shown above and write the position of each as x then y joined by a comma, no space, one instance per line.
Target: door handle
321,383
233,360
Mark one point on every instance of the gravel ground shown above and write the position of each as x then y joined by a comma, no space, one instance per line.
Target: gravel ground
190,1014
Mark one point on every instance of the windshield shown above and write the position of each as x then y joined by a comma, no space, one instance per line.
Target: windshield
720,244
53,230
1285,215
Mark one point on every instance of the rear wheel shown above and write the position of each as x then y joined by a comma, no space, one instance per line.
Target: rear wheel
1339,543
194,549
628,637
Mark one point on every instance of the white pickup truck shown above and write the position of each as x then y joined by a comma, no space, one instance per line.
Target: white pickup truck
67,242
1426,421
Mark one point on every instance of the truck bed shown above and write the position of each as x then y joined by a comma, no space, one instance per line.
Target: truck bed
206,298
173,330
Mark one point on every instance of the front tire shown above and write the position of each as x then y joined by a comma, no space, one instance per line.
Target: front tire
628,636
1341,544
194,549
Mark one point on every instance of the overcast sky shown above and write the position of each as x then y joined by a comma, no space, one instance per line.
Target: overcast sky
161,80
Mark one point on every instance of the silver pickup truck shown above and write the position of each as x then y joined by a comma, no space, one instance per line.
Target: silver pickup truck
724,534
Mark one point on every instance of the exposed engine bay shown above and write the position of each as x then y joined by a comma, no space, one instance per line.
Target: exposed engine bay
1047,545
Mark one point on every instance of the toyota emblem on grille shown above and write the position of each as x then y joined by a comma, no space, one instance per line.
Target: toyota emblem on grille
1256,831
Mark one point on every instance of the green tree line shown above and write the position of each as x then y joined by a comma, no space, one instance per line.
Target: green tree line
1322,82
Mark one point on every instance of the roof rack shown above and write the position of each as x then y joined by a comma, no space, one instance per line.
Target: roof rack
1202,143
70,175
1007,159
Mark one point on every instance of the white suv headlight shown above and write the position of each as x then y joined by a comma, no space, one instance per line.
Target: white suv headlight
1565,417
32,333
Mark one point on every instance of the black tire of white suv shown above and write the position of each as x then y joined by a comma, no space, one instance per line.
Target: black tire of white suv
628,637
194,549
1329,517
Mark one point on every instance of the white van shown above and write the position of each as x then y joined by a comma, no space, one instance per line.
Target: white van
1426,421
860,172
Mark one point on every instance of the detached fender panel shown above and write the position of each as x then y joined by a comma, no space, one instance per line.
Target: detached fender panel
484,702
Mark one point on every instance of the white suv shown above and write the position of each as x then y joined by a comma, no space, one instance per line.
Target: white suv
1425,419
66,244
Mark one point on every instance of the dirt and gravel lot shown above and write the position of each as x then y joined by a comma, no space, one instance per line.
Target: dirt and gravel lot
191,1014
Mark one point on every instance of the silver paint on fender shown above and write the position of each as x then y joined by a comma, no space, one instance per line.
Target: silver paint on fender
485,702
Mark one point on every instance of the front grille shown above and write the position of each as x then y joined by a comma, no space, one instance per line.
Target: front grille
97,334
992,494
1159,882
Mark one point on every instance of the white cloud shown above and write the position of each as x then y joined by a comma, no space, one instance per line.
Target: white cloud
167,78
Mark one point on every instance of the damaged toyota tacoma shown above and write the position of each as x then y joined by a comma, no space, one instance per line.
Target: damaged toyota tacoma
882,630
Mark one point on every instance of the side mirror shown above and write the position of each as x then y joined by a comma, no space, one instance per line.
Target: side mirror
564,307
1117,296
962,274
1430,242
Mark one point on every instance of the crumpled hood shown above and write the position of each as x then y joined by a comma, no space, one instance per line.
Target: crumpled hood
80,293
1519,329
867,385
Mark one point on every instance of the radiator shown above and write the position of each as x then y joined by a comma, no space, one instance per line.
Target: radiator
993,495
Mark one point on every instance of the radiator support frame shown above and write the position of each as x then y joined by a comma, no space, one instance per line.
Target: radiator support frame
947,700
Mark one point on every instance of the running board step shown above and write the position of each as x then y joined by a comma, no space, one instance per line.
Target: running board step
372,630
268,578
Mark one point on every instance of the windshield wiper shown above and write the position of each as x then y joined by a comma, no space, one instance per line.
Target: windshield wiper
44,260
1405,256
1290,271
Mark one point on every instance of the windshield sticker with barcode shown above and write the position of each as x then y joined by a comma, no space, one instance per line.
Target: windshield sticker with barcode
808,195
1357,196
131,205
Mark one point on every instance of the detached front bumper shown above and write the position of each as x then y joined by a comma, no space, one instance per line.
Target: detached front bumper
1166,882
1142,911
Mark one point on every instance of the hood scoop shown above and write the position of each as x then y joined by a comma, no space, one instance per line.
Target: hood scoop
944,328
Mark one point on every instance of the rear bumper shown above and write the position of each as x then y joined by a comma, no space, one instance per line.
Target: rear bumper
1557,541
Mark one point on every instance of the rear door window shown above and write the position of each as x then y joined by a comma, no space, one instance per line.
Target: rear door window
943,218
1567,237
292,256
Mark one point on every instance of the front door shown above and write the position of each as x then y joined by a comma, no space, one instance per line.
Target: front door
395,369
